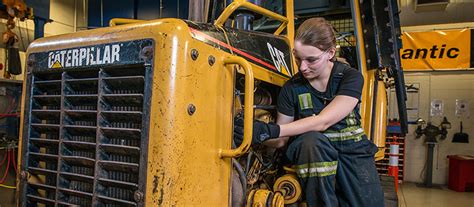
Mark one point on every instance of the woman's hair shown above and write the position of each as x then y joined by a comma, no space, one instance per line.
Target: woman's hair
317,32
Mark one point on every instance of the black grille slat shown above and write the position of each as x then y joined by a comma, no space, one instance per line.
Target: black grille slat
42,186
115,201
121,133
43,156
120,149
41,171
119,166
116,183
75,193
40,199
86,134
78,177
44,142
80,161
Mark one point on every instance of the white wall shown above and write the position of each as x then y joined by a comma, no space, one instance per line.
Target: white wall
446,86
456,11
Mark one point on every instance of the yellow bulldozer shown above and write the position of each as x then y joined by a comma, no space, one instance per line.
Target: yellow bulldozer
141,113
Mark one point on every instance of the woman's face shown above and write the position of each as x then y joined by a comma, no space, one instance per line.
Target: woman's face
311,60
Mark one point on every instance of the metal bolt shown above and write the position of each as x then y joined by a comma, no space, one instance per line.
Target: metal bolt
211,60
191,109
138,196
194,54
23,175
30,63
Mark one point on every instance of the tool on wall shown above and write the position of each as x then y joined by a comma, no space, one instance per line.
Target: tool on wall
461,137
14,9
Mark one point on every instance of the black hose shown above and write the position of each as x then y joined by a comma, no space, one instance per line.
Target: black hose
242,175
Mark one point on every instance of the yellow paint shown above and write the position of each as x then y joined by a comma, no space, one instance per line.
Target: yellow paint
119,21
436,50
380,123
183,149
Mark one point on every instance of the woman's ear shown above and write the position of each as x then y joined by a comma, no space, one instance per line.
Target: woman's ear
332,54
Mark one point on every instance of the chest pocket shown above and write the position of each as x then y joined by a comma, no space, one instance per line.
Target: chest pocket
309,102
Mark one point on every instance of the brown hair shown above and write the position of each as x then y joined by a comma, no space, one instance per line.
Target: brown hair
317,32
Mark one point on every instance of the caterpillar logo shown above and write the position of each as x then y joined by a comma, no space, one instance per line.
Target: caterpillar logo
86,56
278,58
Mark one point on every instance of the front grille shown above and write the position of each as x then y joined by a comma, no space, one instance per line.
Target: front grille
87,136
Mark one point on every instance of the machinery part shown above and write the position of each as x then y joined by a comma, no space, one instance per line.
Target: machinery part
239,184
262,97
194,54
263,115
265,198
211,60
191,109
248,111
289,187
238,192
253,172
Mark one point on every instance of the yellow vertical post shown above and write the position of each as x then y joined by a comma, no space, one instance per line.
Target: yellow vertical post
290,29
366,104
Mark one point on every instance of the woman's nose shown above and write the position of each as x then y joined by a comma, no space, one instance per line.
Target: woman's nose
303,65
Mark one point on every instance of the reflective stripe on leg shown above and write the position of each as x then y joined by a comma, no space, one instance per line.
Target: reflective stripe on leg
317,169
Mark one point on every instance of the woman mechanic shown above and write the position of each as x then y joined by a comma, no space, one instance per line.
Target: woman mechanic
319,123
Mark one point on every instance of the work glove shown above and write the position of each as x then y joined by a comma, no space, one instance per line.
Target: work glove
261,131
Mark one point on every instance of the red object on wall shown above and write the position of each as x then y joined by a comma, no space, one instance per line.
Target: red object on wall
461,172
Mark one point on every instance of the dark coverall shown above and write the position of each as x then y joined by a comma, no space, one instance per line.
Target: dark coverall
335,167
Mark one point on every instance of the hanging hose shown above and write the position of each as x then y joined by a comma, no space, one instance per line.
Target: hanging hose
5,174
4,157
7,186
13,157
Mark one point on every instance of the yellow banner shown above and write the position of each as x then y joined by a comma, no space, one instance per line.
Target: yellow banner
436,50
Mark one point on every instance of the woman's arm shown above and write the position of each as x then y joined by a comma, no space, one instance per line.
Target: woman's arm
334,112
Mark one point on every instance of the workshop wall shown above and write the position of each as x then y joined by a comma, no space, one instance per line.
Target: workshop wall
456,11
445,86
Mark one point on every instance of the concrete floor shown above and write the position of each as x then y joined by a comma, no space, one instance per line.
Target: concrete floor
410,195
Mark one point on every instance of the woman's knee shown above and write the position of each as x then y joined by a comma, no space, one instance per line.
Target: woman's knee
309,139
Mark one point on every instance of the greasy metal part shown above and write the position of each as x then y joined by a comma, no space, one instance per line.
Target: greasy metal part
289,187
264,198
23,175
253,172
138,196
211,60
191,109
263,115
194,54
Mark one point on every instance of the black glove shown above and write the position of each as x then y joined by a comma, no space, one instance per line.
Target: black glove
261,131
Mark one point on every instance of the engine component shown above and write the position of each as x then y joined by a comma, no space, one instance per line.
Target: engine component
289,187
265,198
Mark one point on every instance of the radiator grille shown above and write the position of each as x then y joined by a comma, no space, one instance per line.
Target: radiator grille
87,136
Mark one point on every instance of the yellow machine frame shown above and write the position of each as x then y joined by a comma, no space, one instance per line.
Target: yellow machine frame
189,153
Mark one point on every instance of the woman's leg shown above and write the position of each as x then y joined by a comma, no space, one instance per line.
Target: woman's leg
316,165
